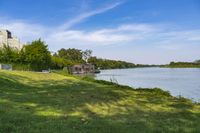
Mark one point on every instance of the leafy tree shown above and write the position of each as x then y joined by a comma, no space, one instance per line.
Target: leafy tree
71,54
9,54
37,55
197,61
60,63
109,64
172,63
184,64
86,54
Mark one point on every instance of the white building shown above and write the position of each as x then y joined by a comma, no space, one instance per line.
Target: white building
7,39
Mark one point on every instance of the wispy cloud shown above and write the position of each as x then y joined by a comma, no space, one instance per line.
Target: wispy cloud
153,39
121,35
163,45
87,14
25,31
127,33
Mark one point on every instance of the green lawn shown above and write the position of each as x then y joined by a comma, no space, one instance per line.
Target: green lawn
51,103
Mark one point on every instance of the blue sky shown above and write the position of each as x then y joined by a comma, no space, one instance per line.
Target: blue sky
139,31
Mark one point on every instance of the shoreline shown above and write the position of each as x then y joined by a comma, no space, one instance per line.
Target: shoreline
159,90
164,78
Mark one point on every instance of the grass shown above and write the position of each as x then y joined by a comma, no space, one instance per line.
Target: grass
52,103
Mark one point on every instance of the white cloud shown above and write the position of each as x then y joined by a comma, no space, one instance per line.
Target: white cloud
25,31
120,35
153,42
86,15
137,27
28,31
98,37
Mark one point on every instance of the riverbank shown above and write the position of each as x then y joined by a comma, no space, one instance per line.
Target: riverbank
195,64
178,81
49,102
168,66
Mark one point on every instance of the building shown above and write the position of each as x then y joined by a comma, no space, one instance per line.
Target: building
82,69
5,67
7,39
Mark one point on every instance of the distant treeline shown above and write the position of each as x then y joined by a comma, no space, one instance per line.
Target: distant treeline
76,56
109,64
195,64
112,64
36,57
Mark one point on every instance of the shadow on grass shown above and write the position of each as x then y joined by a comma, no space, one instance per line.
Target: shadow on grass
81,106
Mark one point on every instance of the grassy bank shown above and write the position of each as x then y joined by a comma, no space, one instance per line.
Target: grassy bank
168,66
183,65
38,102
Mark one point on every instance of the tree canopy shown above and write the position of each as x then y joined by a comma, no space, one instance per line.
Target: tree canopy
71,54
109,64
36,56
184,64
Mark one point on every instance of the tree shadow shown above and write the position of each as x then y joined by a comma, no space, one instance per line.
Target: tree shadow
76,106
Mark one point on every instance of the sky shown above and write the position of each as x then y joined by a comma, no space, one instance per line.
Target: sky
138,31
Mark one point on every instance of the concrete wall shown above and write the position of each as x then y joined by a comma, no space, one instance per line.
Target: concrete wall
5,67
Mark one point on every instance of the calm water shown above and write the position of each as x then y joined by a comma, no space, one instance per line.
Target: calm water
179,81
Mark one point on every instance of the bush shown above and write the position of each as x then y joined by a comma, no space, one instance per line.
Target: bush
156,91
21,67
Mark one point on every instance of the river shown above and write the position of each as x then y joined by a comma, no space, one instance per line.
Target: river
178,81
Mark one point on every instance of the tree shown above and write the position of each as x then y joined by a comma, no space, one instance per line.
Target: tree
60,63
109,64
72,54
172,63
9,54
86,54
197,61
37,55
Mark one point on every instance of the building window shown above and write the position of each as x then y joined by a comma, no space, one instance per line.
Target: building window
9,34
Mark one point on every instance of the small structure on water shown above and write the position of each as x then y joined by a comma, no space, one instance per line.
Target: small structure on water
5,67
83,69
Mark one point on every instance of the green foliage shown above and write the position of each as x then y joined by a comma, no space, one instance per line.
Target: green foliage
37,55
86,54
184,64
76,56
109,64
72,54
197,61
156,91
34,56
60,63
22,67
8,54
